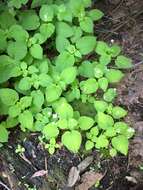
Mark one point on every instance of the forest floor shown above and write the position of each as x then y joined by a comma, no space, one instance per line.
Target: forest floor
123,24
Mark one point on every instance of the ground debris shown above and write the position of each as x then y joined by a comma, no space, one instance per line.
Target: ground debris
89,179
75,171
73,176
85,163
136,147
39,173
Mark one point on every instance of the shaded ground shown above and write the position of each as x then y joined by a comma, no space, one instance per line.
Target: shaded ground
123,23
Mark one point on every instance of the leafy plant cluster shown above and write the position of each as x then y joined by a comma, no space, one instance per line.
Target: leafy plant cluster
45,67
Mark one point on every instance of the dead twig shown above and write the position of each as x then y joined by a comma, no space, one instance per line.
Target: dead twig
5,186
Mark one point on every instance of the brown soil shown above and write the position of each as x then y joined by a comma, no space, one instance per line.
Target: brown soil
123,23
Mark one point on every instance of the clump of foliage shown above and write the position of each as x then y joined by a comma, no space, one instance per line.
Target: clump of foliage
45,68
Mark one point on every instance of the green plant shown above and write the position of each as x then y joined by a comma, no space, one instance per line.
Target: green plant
52,146
19,150
44,70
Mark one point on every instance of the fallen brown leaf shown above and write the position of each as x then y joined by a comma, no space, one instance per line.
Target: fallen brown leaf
88,180
85,163
39,173
73,176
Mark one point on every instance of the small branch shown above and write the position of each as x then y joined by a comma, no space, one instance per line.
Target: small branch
5,186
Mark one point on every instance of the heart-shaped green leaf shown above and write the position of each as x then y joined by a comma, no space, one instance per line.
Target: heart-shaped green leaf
89,86
120,143
95,14
53,92
36,51
8,96
26,120
64,30
86,69
85,123
86,44
72,140
29,19
100,105
123,62
50,131
110,94
104,121
89,145
17,50
118,112
87,25
101,142
114,76
46,13
64,60
103,83
64,110
69,74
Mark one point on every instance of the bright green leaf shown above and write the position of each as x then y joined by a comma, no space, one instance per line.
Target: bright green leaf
94,131
26,120
101,142
72,140
101,48
114,75
46,13
110,94
86,44
17,50
113,152
86,69
18,33
96,14
87,25
53,92
6,19
68,75
77,34
62,43
38,98
118,112
14,111
115,50
64,110
123,62
72,124
24,84
50,131
105,59
8,96
120,143
89,86
29,19
100,105
103,83
63,29
85,123
64,60
98,72
104,121
110,132
47,30
62,123
89,145
36,51
25,102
